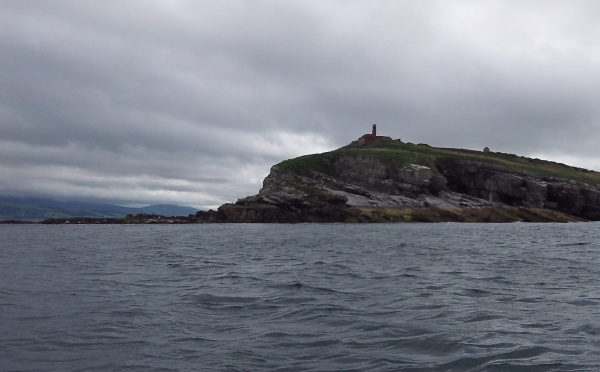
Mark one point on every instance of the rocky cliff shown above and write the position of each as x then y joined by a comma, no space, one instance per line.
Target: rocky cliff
395,181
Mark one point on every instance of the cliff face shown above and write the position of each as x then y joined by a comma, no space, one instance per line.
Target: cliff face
413,183
510,187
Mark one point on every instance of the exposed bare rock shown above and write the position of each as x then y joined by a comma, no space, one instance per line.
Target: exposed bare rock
510,187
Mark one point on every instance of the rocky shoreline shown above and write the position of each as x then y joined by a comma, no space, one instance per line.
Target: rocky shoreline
268,215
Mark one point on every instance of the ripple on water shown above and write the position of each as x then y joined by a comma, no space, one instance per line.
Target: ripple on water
407,297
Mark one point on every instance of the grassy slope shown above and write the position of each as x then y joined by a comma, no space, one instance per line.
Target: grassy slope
400,154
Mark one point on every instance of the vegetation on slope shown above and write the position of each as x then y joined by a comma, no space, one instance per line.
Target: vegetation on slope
401,154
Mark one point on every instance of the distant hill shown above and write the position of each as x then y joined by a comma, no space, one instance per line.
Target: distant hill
33,209
167,210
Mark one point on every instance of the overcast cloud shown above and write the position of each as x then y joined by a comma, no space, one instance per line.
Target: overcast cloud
191,102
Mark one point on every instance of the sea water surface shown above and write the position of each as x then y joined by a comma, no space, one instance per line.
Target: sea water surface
305,297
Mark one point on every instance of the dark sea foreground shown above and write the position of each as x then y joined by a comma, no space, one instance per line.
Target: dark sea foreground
310,297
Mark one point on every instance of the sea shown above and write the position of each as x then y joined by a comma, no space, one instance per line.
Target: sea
300,297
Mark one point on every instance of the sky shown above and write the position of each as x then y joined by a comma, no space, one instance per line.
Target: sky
143,102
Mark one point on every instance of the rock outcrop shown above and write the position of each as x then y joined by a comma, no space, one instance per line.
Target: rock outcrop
500,184
409,183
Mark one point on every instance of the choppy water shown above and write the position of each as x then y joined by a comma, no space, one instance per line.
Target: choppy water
322,297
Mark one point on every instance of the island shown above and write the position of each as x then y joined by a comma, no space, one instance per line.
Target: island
380,179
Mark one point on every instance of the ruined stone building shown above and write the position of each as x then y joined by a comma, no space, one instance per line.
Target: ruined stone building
373,137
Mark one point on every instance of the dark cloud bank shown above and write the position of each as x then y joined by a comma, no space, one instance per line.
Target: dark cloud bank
191,102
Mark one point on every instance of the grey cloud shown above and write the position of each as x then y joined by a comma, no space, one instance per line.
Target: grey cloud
194,101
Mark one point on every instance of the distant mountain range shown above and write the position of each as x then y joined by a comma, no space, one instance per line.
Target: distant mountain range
33,209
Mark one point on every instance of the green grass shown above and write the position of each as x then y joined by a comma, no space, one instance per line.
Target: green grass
398,154
318,162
